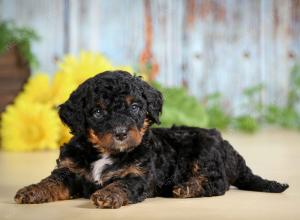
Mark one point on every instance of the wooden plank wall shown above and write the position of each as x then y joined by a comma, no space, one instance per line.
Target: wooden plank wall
205,45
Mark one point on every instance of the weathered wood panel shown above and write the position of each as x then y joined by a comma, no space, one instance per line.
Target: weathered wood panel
205,45
221,47
275,40
109,27
167,17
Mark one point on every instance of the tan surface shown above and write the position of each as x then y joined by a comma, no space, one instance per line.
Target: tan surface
273,154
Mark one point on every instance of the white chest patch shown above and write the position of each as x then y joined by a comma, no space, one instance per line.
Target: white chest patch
98,167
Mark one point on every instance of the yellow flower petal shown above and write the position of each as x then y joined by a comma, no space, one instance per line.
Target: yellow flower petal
36,89
61,88
87,65
28,126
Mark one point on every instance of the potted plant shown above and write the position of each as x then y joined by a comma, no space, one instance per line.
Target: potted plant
16,58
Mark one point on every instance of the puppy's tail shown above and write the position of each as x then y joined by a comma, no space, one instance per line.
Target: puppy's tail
249,181
253,182
246,180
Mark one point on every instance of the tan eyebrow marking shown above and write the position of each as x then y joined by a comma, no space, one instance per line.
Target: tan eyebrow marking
101,104
129,99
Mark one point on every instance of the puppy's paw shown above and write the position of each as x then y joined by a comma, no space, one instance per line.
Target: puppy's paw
107,198
32,194
181,191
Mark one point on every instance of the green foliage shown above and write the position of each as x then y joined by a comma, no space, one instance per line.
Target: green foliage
287,116
180,108
219,118
21,37
245,123
282,116
216,115
249,121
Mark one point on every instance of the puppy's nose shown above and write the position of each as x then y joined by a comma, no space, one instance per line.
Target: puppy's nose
120,133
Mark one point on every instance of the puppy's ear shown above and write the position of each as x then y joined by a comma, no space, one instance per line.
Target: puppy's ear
154,102
72,111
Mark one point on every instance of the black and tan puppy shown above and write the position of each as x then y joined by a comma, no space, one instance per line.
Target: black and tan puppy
115,159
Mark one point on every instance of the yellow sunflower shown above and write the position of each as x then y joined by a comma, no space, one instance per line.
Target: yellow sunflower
36,89
28,126
87,65
65,134
61,87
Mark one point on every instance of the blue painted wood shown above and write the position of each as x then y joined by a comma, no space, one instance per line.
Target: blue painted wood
108,27
205,45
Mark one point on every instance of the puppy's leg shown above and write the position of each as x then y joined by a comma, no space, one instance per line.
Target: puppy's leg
193,187
60,185
208,179
214,170
121,192
189,189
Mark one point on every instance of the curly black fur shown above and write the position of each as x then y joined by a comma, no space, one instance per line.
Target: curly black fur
110,115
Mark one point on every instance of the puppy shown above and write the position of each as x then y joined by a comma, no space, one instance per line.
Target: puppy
116,159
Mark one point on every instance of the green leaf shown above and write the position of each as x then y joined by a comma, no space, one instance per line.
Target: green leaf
180,108
246,123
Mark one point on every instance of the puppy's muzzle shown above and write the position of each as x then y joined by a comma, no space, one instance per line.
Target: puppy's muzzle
120,133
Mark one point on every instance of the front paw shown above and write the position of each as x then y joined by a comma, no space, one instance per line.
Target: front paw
32,194
181,191
105,198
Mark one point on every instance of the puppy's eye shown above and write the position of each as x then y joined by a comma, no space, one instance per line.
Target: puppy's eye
97,114
134,108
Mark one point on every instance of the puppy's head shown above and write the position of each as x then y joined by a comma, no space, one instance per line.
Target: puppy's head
113,110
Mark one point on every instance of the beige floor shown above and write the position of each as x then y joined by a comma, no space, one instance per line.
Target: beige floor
274,154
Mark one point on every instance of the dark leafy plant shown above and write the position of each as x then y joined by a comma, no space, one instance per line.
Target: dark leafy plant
21,37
